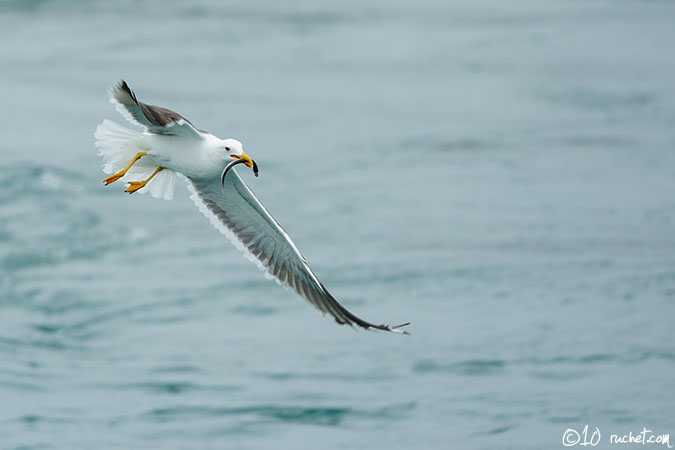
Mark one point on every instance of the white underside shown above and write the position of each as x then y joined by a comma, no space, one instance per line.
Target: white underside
119,145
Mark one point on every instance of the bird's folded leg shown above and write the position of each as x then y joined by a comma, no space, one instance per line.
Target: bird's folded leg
136,185
116,176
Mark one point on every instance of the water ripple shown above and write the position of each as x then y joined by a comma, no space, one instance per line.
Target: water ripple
286,376
328,416
172,387
468,367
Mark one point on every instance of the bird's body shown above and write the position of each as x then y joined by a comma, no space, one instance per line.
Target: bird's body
170,145
192,157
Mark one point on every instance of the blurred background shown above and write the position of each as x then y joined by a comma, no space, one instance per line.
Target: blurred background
500,174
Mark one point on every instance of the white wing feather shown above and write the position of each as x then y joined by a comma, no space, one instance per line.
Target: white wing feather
240,216
154,119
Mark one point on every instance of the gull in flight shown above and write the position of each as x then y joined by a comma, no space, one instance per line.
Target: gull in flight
170,144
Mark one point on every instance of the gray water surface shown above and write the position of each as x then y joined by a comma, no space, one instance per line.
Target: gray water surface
500,174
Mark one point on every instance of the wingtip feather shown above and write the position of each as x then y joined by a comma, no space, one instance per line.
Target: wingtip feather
395,329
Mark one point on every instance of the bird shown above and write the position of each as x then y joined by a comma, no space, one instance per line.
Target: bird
168,145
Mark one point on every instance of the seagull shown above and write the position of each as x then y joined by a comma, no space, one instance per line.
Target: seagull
170,144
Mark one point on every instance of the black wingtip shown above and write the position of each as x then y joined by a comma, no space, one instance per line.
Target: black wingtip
383,327
122,84
396,328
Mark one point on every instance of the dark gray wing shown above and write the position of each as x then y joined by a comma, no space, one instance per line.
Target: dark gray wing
154,118
239,215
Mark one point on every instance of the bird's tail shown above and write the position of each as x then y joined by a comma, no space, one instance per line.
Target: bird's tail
118,146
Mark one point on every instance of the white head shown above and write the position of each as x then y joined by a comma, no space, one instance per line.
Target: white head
234,149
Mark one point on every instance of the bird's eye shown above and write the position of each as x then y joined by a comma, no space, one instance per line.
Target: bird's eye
227,148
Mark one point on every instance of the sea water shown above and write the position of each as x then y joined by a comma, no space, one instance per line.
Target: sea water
500,174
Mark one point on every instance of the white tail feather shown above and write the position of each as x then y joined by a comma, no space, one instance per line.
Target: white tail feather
118,145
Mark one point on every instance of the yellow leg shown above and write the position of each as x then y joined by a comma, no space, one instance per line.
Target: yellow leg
114,177
136,185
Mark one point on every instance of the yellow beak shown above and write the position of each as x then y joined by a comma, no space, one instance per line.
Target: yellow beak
249,162
245,157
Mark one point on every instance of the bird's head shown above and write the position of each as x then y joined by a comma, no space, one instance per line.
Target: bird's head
234,149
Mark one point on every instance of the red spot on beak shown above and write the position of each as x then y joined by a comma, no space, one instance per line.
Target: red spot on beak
247,164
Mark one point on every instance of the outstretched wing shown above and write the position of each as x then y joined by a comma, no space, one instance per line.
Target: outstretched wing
239,215
153,118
